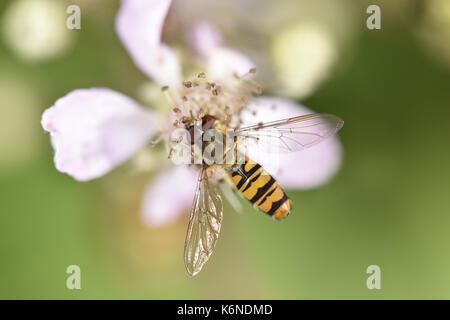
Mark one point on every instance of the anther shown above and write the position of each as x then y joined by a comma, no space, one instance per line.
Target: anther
171,151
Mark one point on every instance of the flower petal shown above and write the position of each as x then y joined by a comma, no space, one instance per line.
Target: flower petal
300,170
203,38
169,195
224,62
94,130
139,24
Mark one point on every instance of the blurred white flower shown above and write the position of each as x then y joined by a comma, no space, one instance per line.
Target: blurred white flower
303,56
439,11
204,38
434,30
36,29
295,43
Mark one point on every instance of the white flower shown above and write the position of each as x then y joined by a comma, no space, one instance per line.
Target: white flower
94,130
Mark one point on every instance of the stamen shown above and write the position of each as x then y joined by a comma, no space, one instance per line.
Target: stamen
171,151
168,97
224,100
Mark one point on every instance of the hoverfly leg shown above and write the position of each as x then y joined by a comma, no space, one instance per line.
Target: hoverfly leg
230,195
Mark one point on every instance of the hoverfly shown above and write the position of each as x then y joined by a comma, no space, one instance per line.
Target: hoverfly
248,178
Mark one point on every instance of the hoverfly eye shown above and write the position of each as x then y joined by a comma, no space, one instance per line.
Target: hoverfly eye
191,133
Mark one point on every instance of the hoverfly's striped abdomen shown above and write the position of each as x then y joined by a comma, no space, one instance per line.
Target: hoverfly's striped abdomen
260,188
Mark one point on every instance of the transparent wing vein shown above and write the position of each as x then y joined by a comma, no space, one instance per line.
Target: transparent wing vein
291,135
204,225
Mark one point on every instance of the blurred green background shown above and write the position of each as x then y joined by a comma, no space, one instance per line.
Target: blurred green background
389,204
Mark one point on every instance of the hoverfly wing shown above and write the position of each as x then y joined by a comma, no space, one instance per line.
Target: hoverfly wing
204,225
292,134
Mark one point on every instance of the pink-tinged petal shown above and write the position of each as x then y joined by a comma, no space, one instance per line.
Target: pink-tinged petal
203,38
169,195
139,24
94,130
305,169
223,63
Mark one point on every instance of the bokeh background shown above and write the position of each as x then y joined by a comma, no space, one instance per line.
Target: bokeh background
388,205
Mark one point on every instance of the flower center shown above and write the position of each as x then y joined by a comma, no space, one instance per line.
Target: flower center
203,109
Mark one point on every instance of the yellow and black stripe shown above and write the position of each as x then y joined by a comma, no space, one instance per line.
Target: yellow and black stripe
260,188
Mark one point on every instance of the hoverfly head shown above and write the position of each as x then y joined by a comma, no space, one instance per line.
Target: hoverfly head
207,123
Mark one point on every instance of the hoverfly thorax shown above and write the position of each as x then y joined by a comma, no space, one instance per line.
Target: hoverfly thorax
205,137
196,131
